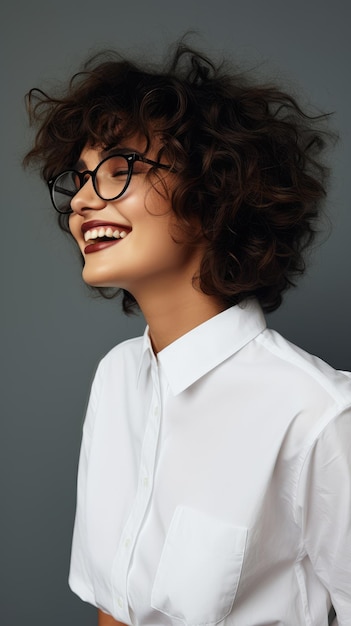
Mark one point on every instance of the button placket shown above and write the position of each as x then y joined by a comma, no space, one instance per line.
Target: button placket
133,526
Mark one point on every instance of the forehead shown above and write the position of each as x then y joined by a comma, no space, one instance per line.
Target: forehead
137,142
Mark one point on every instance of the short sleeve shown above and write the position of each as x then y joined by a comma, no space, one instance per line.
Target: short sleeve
79,575
324,511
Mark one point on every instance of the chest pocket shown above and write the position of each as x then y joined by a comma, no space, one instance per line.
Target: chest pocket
199,569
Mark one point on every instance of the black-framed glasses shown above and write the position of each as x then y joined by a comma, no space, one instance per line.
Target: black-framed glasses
110,178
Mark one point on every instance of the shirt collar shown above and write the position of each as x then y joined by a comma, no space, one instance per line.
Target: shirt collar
203,348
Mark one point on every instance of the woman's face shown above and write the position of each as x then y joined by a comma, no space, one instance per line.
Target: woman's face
142,256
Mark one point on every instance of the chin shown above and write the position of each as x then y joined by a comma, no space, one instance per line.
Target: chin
98,281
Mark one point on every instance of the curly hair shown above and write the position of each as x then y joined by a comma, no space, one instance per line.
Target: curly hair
248,160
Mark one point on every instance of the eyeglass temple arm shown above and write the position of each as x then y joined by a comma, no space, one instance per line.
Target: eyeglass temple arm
65,192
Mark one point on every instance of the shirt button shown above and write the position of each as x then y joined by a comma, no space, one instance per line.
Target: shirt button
127,542
120,602
156,411
146,482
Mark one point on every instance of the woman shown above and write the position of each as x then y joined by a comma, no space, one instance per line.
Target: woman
214,477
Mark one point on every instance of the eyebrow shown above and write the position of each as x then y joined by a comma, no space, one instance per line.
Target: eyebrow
80,165
117,149
103,154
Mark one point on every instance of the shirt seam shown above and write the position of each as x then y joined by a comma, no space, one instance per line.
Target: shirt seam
308,451
303,366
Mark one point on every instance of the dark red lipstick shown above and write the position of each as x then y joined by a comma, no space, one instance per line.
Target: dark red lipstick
104,241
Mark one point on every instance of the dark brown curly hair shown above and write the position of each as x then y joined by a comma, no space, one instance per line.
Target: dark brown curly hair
247,156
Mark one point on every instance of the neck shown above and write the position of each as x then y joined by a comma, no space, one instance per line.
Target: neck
170,318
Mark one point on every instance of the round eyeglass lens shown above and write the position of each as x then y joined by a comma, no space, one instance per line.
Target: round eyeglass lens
112,177
65,187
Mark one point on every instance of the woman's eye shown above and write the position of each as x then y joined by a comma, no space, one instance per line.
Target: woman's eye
119,173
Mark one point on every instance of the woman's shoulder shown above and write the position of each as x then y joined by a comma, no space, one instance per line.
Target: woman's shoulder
303,370
128,351
121,363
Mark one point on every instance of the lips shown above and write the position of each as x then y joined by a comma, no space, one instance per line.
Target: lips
100,235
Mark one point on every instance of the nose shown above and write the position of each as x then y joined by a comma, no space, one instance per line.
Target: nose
87,199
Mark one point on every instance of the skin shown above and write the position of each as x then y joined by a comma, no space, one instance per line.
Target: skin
107,620
148,262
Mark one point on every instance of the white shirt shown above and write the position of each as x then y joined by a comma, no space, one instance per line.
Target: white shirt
214,483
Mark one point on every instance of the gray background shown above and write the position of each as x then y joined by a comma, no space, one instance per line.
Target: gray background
54,332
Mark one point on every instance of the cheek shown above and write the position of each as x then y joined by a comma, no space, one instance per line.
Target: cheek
71,223
158,197
74,228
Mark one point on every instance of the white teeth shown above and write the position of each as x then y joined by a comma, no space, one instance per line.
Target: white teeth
104,232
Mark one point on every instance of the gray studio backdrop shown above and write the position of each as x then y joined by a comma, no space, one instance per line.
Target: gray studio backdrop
54,332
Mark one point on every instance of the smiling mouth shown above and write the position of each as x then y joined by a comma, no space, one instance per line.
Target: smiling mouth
104,234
